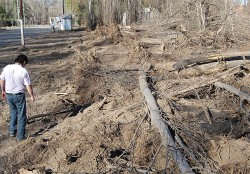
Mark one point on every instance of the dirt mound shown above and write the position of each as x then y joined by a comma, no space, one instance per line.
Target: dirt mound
90,115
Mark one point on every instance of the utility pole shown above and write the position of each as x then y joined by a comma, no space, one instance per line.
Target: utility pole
21,22
63,7
71,8
89,24
17,8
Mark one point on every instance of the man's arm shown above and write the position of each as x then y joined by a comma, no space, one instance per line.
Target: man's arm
3,89
30,91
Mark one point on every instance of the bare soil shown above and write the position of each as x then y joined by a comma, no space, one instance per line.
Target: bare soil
93,118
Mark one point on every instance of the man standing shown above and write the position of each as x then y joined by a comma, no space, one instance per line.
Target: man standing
52,24
14,80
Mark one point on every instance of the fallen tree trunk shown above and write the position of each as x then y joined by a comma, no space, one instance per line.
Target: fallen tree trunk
167,139
210,68
205,83
50,114
214,58
242,95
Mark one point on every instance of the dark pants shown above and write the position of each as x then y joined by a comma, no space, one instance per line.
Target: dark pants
53,29
17,104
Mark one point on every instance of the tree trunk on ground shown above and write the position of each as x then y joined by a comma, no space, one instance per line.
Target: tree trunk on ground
167,139
213,58
242,95
211,68
205,83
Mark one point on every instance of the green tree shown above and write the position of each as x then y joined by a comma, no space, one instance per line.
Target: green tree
2,12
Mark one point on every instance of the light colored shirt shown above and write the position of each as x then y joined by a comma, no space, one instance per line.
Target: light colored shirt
16,78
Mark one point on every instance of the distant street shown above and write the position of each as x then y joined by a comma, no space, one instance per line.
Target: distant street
12,35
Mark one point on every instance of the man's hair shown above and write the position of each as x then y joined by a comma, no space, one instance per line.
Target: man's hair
21,59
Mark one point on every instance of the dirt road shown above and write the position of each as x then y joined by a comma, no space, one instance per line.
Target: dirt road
12,35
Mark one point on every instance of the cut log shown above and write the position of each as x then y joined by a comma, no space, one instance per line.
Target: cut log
167,138
242,95
213,58
127,30
153,45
